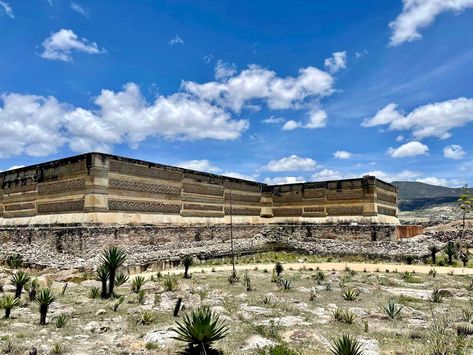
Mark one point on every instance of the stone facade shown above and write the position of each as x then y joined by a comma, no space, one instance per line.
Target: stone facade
97,188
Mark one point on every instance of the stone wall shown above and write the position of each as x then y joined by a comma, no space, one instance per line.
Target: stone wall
110,189
79,246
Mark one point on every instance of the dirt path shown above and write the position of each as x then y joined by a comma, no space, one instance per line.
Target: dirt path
421,269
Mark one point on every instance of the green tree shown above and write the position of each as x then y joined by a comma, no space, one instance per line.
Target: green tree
44,298
465,203
450,250
112,258
102,276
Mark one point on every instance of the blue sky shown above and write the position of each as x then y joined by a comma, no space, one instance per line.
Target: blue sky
273,91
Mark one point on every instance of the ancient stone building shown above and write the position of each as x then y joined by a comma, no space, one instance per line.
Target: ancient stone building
98,188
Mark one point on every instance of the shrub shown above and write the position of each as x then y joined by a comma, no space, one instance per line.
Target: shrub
121,278
328,286
285,283
344,316
147,318
267,300
137,283
278,268
319,277
103,276
464,328
436,296
94,292
187,261
14,261
61,320
351,294
451,251
8,302
112,259
346,345
32,289
44,298
57,348
19,280
140,296
392,309
170,282
279,349
117,304
200,329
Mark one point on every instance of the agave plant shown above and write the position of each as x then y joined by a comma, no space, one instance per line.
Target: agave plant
345,316
44,298
450,250
121,278
14,261
351,294
8,302
61,320
187,261
346,345
94,292
19,280
103,275
392,309
436,296
112,258
200,329
137,283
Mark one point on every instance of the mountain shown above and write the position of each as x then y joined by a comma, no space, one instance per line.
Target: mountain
417,195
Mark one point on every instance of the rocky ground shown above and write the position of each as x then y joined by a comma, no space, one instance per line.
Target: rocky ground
258,318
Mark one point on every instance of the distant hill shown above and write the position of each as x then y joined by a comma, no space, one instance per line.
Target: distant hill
417,195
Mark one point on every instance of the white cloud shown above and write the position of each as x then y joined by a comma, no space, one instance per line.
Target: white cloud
327,174
38,126
6,9
400,138
290,125
453,151
208,58
431,120
291,163
361,54
257,83
410,149
273,120
342,154
61,44
224,70
417,14
389,177
30,125
200,165
175,41
336,62
15,167
79,9
317,119
432,180
280,180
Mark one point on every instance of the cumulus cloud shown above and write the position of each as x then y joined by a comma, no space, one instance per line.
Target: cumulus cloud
257,83
403,175
317,119
361,54
342,154
336,62
224,70
431,120
291,163
6,9
200,165
79,9
175,41
61,44
410,149
418,14
38,126
280,180
453,151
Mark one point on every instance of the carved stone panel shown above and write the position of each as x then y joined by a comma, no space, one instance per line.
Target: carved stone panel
143,206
